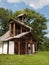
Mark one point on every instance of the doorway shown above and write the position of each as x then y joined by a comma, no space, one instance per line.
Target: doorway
29,48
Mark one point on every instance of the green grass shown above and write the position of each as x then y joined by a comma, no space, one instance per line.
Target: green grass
40,58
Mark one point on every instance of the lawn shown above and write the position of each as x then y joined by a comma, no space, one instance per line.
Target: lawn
40,58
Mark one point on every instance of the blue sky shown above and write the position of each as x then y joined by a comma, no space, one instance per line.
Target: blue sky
41,6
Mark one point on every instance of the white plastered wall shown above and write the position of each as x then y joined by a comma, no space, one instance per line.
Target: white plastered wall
0,48
11,47
33,48
5,47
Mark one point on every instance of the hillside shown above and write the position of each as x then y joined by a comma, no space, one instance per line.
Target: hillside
40,58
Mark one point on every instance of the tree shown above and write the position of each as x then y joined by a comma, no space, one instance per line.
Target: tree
34,19
16,13
38,23
4,17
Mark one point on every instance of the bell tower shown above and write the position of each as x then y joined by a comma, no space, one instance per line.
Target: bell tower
21,18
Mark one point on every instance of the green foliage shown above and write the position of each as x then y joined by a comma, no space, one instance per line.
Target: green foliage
4,17
44,46
38,23
16,13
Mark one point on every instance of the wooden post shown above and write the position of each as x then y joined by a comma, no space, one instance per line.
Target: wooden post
31,49
26,48
36,46
22,19
10,29
2,47
31,46
14,29
8,48
19,47
21,29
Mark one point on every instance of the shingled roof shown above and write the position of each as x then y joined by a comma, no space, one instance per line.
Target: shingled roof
5,36
17,36
21,15
20,35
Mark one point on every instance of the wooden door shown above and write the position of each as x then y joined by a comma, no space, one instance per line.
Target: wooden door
29,48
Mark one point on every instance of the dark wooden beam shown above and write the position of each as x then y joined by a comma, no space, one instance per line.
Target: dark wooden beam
21,29
2,47
31,49
26,48
10,29
19,47
8,48
14,29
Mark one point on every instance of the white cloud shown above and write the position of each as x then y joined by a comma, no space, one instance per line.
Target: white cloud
13,1
36,4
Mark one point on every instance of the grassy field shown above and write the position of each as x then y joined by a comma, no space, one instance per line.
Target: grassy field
40,58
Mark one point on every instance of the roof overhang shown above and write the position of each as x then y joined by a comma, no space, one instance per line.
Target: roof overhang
21,15
5,36
17,36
